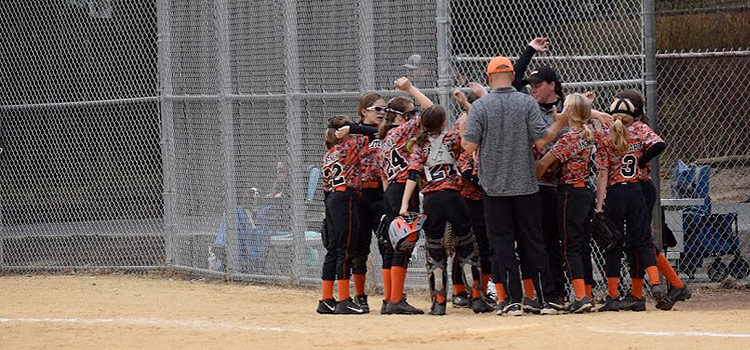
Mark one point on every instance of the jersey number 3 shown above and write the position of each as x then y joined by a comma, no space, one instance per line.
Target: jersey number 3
629,162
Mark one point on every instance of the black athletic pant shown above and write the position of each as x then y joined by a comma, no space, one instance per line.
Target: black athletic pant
517,220
551,232
575,209
442,207
392,205
626,207
342,223
370,210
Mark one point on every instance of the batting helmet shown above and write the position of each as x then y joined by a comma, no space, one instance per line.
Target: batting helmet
404,231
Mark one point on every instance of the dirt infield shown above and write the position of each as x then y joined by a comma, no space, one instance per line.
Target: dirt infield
152,312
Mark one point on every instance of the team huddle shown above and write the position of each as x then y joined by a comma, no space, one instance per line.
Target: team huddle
518,177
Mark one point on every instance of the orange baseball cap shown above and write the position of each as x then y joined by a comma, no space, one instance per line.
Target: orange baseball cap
499,65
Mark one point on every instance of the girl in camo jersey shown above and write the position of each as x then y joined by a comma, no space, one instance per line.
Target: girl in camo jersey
342,183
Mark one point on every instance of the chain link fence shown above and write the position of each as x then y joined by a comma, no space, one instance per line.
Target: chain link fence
187,133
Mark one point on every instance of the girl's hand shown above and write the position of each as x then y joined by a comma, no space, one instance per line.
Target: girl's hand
460,97
404,211
402,84
590,95
342,132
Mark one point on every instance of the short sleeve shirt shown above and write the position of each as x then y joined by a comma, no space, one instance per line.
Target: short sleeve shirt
342,164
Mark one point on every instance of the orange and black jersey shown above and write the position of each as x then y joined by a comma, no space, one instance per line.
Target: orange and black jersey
371,167
575,153
442,176
467,165
342,164
650,139
395,149
624,167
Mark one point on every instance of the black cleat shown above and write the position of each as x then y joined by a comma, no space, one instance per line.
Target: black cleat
532,305
548,309
327,306
403,308
558,304
513,309
361,300
610,304
580,306
348,307
461,300
437,309
479,305
679,294
500,306
662,300
633,304
384,308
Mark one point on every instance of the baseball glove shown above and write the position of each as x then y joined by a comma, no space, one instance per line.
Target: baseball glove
604,232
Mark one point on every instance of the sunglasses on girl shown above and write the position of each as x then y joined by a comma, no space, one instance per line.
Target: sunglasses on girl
377,109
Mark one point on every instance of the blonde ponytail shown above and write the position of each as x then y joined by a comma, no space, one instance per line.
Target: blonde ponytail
623,111
618,138
580,113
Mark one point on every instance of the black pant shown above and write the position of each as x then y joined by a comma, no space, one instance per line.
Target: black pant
551,233
626,207
391,207
370,209
511,221
442,207
342,223
575,209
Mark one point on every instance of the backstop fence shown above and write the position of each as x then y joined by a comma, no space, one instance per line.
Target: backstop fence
187,133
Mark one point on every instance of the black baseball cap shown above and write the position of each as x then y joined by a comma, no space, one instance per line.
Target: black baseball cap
542,74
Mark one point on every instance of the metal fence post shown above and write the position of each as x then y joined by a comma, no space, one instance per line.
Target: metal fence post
366,46
167,124
649,77
221,15
294,137
445,77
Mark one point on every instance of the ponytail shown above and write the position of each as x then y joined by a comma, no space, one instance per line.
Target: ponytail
396,106
433,120
624,113
580,113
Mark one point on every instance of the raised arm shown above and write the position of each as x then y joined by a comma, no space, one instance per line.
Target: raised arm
404,84
536,45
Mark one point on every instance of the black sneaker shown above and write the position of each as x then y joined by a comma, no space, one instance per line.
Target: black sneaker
500,306
348,307
461,300
479,305
327,306
610,304
384,308
662,300
548,309
437,309
633,304
491,299
532,305
580,306
513,309
558,304
361,300
679,294
402,308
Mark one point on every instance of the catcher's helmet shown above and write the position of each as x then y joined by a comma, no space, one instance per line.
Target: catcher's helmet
404,231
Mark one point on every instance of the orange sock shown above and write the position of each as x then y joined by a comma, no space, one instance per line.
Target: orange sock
613,284
439,298
500,292
666,269
359,283
653,274
327,288
343,289
589,292
398,276
485,282
386,284
637,289
579,286
458,288
475,291
528,288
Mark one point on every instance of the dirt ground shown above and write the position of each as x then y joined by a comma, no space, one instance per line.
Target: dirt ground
157,312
